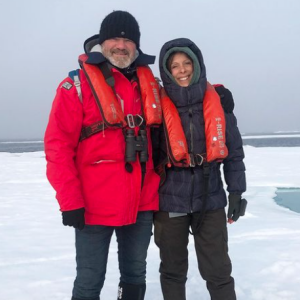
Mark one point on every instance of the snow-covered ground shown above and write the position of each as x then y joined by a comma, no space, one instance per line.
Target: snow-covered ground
37,251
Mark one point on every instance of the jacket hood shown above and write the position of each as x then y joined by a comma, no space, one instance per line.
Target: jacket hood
92,49
183,96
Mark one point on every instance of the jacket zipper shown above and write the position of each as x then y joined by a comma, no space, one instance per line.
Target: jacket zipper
192,189
191,151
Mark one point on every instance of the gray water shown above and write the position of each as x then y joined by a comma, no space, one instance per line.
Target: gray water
288,198
273,142
21,146
38,145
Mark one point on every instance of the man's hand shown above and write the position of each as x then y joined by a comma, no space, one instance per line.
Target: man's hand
74,218
236,207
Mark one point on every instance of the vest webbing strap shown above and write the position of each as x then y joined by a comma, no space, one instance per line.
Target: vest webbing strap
206,171
88,131
78,88
74,75
109,78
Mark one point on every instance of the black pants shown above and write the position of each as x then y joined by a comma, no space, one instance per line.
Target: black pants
211,244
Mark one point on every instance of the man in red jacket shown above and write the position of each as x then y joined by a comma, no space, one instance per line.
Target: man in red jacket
101,169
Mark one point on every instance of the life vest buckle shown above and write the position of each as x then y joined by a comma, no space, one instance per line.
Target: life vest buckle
192,160
199,159
141,120
196,160
132,121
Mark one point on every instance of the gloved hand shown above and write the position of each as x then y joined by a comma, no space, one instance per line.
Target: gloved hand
236,207
226,98
74,218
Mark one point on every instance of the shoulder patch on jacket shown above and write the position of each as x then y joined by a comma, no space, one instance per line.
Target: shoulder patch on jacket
67,85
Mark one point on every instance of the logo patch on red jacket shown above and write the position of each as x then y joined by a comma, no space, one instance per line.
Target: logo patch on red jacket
67,85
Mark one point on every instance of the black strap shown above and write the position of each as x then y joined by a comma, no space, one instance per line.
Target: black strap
160,169
191,129
105,68
88,131
206,171
143,164
143,167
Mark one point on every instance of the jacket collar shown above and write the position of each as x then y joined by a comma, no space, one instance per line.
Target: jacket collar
95,58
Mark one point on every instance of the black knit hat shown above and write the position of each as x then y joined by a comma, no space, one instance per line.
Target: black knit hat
120,24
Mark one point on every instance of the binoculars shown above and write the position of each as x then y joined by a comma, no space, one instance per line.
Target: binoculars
136,144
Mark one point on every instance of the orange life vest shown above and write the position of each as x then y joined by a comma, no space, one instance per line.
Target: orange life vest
215,128
108,104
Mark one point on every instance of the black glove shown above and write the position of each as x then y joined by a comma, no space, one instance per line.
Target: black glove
74,218
236,207
226,98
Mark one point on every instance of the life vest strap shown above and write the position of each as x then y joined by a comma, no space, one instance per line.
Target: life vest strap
106,71
200,217
131,120
74,75
88,131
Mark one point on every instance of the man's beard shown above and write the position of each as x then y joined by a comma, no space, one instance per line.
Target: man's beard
120,62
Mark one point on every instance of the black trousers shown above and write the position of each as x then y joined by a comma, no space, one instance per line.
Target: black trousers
211,245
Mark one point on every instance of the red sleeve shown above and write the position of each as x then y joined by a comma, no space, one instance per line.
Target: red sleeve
61,141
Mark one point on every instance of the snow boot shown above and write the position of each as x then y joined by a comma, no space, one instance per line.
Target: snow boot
128,291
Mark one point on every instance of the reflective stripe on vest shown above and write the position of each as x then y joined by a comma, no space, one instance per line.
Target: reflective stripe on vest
215,129
109,106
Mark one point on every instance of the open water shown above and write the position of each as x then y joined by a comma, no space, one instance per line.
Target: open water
21,146
289,198
255,140
273,142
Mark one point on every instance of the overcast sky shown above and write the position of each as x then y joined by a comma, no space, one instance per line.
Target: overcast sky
251,46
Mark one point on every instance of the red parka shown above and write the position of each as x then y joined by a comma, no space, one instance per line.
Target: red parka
91,173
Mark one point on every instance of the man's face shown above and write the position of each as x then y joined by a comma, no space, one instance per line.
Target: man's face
119,51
